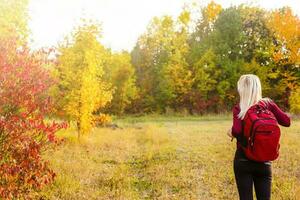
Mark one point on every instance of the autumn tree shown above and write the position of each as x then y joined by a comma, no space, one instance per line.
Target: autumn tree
206,76
203,61
225,43
150,54
24,105
160,61
295,101
205,24
80,73
13,20
121,76
285,29
176,77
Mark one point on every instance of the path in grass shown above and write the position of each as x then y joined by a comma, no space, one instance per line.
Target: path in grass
162,159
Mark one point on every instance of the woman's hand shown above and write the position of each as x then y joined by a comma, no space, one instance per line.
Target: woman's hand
229,134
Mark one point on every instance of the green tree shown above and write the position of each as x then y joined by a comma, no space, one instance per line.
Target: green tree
258,38
160,61
176,77
121,75
227,43
150,54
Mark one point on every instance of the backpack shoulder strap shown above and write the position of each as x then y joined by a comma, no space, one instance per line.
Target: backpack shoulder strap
241,138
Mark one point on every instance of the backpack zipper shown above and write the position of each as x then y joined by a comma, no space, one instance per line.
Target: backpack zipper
260,131
251,137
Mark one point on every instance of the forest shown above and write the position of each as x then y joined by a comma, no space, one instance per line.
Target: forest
180,66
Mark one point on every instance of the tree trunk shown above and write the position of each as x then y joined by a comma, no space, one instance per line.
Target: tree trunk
78,130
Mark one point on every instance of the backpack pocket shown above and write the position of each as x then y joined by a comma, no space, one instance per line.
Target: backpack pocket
265,146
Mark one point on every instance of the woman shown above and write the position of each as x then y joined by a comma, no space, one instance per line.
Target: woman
249,172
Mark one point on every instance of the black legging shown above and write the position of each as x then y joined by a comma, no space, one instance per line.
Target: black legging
248,172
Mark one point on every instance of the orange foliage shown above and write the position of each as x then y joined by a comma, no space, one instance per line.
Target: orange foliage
212,10
286,29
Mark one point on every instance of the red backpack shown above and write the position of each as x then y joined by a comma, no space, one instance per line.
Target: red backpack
261,134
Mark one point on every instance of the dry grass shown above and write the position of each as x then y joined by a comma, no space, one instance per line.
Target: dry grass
180,159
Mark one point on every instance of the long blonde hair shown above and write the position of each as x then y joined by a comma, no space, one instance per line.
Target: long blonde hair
249,88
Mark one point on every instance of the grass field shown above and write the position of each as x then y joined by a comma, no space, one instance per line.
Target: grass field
163,158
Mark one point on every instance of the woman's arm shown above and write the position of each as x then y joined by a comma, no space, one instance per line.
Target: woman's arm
282,118
237,122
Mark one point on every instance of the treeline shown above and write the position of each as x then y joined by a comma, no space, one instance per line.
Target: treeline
197,70
180,65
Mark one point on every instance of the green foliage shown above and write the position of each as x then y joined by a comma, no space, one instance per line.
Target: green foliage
206,73
160,60
295,101
149,56
228,35
258,39
176,79
121,75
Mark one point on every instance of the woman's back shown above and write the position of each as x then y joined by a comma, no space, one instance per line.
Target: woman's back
247,172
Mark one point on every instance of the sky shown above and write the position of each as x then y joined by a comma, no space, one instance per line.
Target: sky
123,21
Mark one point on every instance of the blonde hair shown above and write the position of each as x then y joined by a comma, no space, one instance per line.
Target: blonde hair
249,88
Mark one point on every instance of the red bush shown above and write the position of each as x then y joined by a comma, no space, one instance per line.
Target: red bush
24,133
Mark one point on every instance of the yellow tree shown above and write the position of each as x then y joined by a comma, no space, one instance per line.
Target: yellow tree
286,28
13,19
13,26
212,11
295,101
176,76
80,72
